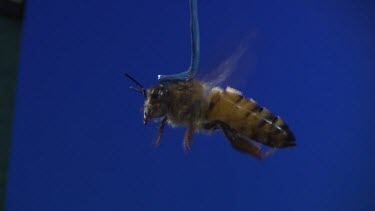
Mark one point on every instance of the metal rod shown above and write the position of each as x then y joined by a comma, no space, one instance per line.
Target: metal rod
195,51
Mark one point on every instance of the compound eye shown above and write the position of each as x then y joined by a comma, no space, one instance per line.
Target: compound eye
161,92
158,93
155,94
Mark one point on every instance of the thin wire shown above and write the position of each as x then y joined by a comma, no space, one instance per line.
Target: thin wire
195,45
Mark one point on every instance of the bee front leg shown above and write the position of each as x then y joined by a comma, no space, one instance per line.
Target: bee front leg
242,144
160,131
188,140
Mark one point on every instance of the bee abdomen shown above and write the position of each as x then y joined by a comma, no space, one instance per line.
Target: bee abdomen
272,131
248,118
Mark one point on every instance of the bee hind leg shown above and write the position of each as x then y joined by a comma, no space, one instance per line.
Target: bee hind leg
242,144
188,140
211,126
160,131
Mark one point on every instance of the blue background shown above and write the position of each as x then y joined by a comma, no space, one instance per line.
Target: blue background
79,142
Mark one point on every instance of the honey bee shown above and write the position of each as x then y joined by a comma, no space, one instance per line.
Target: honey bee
180,100
199,107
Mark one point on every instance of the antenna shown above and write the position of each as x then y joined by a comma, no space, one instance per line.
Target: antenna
142,90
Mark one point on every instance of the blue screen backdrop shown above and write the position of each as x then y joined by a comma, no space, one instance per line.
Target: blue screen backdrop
78,138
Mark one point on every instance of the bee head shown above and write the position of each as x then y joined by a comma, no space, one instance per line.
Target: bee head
156,103
156,99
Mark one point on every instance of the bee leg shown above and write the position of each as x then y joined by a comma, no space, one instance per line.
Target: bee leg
188,140
242,144
212,126
160,131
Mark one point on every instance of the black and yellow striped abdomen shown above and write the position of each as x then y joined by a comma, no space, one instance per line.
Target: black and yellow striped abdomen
248,118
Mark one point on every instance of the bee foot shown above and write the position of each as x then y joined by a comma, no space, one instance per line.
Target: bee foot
269,152
156,144
187,144
188,141
160,132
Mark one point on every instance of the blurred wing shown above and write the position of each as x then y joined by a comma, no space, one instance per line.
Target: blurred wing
227,67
